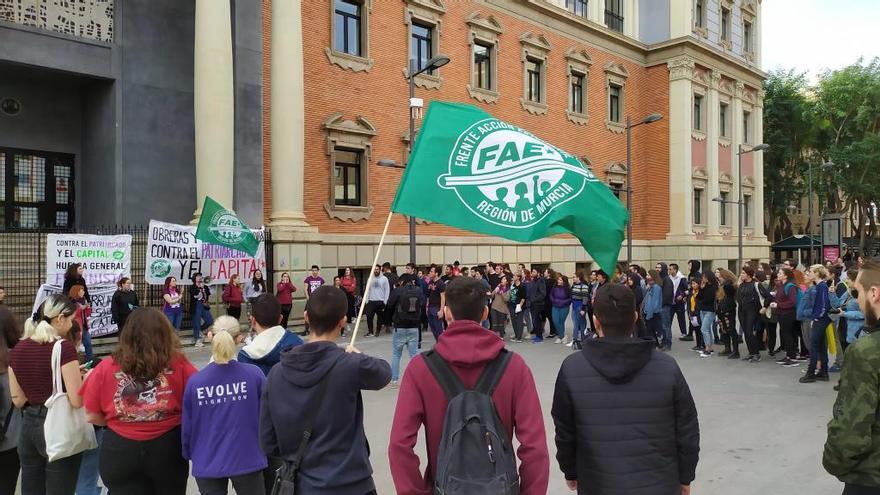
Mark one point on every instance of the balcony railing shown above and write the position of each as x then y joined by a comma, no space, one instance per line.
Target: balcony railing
614,20
92,19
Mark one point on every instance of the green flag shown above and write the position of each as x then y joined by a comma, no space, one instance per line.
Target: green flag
475,172
217,225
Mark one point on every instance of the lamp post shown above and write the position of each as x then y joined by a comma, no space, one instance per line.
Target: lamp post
431,64
741,199
654,117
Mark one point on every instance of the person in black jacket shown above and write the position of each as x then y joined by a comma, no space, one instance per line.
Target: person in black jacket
408,302
725,309
668,287
124,301
337,459
74,276
748,302
626,423
537,302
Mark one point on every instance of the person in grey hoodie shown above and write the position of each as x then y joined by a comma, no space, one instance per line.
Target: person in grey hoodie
337,458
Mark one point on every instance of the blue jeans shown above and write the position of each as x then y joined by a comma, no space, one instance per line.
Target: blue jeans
436,324
402,337
201,315
579,321
175,317
87,344
818,346
667,326
88,469
559,316
707,318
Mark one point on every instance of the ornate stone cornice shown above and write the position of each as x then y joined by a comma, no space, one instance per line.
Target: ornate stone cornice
488,23
361,125
579,56
537,41
680,68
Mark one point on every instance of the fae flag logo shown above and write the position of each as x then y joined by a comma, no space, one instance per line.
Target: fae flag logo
508,177
226,226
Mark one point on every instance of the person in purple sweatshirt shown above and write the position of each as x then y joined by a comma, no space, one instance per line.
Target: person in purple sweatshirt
560,298
337,459
221,412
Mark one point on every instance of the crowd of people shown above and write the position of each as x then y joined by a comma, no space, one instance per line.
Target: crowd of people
273,413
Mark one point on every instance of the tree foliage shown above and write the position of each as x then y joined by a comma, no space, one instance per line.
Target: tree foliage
836,119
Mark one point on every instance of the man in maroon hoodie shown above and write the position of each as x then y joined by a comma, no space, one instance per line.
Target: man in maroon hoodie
467,347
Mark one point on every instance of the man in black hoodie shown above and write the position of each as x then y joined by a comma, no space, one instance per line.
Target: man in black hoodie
626,423
337,459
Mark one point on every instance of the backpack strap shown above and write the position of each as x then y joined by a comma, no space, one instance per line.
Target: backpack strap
448,380
493,372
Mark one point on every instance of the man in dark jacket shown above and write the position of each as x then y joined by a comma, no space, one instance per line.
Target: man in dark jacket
468,348
409,302
668,287
537,300
626,423
337,460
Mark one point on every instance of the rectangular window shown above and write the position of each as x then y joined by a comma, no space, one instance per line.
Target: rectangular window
577,7
723,206
698,13
698,206
422,47
347,19
747,120
725,24
722,120
698,112
614,103
347,177
747,37
747,203
577,92
533,71
36,189
614,15
482,66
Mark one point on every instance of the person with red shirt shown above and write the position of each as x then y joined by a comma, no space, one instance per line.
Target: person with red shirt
467,347
233,297
284,292
138,394
30,385
349,286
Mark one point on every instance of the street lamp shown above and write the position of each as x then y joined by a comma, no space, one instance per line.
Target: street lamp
414,104
741,201
654,117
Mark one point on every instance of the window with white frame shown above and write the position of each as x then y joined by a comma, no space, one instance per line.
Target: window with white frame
722,205
614,15
747,127
698,206
577,7
483,37
535,53
699,13
747,209
349,34
725,24
615,103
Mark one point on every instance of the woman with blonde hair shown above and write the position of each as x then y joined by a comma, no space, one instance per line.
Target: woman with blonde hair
225,392
138,394
30,381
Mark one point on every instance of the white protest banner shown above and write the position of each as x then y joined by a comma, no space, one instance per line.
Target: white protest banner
106,258
99,321
174,251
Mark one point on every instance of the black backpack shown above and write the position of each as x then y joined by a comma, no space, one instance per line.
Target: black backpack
475,455
408,308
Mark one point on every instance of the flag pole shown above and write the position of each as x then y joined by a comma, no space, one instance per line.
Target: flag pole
357,322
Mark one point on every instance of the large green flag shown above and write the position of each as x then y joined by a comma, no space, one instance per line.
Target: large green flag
217,225
475,172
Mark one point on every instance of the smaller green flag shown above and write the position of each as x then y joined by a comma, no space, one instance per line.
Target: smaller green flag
217,225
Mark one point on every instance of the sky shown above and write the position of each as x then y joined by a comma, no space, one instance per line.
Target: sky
815,35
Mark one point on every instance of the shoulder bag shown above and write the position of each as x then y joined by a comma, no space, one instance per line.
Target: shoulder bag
66,431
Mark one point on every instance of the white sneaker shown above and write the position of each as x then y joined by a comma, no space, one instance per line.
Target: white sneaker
704,354
199,343
558,341
569,344
395,384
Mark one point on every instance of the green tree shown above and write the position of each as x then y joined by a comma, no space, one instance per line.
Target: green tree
789,129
